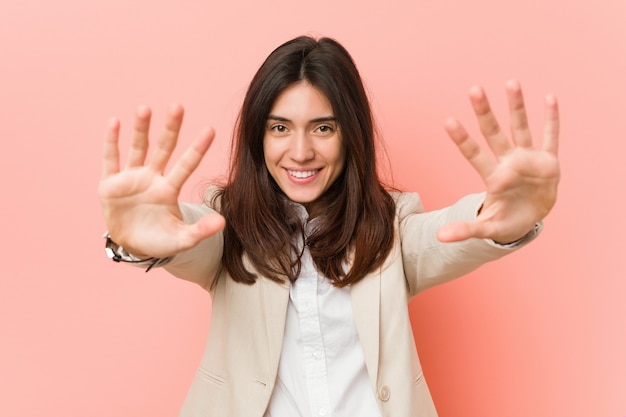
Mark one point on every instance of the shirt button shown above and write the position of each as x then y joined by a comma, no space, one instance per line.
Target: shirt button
384,393
322,412
317,355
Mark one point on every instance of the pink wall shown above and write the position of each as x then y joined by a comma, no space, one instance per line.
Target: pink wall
540,333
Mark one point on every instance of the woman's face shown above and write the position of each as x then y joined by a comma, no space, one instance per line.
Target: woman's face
302,143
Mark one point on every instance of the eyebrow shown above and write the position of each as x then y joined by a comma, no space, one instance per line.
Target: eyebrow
316,120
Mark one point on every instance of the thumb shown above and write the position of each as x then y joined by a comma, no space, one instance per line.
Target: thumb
456,231
207,226
210,224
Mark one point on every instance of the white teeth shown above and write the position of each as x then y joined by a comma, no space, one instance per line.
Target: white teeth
303,174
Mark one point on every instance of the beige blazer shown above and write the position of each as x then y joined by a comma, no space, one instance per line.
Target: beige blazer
238,370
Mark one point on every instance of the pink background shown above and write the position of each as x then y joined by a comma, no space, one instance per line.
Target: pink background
541,333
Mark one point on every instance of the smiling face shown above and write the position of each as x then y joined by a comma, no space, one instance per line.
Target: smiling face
302,143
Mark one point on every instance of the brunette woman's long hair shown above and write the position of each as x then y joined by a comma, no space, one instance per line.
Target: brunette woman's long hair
353,233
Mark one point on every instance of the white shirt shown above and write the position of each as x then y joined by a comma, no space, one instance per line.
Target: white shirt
322,369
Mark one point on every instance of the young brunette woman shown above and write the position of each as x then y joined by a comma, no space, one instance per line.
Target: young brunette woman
310,262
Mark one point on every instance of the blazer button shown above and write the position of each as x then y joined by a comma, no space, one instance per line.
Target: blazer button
384,393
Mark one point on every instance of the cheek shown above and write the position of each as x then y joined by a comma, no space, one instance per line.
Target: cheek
267,152
271,157
340,157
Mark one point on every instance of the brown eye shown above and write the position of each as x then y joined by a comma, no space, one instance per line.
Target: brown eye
325,129
279,128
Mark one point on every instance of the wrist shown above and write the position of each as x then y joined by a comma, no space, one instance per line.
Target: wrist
527,237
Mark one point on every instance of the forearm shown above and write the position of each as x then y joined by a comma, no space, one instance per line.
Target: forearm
429,262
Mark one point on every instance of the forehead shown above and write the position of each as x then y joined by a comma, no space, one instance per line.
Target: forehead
301,101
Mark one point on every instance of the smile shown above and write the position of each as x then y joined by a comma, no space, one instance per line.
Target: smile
302,174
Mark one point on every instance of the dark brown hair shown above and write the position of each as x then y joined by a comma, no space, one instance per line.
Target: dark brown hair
354,223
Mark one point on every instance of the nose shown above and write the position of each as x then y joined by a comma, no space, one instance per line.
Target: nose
301,148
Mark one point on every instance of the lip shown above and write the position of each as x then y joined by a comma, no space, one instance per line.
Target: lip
302,176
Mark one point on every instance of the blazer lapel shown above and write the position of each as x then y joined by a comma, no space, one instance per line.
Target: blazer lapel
275,299
366,308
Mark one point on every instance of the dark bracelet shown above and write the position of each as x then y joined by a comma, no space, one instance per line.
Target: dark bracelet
119,254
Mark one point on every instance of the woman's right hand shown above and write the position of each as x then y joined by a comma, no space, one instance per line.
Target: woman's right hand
140,201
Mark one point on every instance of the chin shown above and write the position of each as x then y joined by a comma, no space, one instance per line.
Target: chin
302,199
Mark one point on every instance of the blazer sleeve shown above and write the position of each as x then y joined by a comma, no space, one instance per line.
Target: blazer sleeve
427,261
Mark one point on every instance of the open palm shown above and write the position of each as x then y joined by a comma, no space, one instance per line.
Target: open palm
140,201
521,181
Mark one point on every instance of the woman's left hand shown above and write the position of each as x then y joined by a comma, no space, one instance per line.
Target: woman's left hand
521,181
